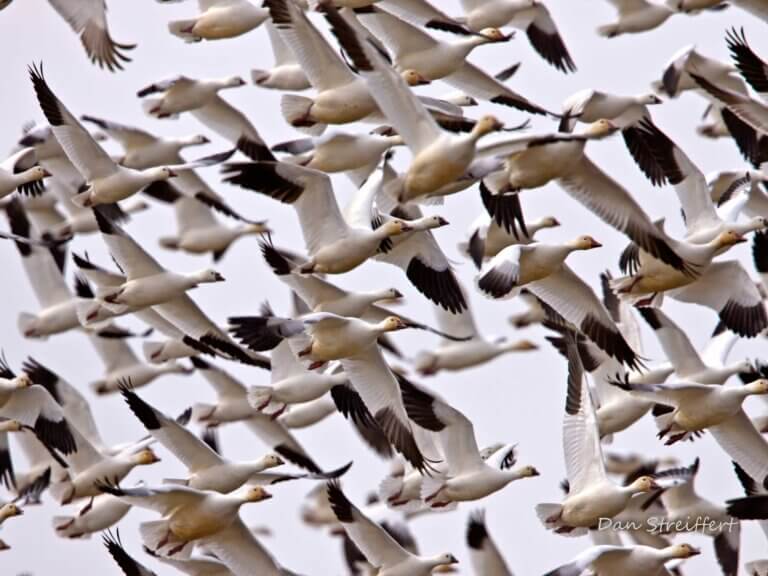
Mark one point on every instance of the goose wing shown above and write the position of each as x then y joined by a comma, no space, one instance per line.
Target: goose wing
241,552
129,255
743,444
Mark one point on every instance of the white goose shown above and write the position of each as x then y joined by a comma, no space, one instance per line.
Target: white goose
14,174
530,15
378,547
219,19
483,553
439,157
307,414
107,182
591,494
99,513
717,408
58,306
89,22
287,73
451,355
121,365
542,270
627,560
232,406
589,106
416,51
676,77
467,475
635,16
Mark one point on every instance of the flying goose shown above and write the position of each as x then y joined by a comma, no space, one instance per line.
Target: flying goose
476,350
676,77
483,553
378,547
232,406
201,99
432,59
198,230
286,74
635,16
468,476
219,19
591,494
633,560
542,270
439,157
14,173
106,181
487,238
89,21
188,514
207,470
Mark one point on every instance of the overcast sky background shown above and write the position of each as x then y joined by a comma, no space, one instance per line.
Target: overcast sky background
517,398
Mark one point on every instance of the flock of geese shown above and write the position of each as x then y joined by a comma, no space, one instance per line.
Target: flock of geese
350,73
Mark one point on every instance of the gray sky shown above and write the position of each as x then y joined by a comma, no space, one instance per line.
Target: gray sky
514,399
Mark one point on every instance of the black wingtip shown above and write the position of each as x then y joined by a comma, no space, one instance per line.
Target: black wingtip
143,411
476,530
340,504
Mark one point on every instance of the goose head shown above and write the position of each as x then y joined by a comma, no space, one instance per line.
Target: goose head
257,228
600,129
443,560
255,494
196,140
728,238
520,346
10,510
583,243
431,222
643,484
11,426
392,324
160,173
145,457
682,551
394,228
233,82
22,381
549,222
757,223
413,78
649,99
486,125
386,295
491,35
757,388
207,276
270,461
35,173
526,472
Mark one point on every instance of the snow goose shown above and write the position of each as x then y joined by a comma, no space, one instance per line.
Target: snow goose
188,514
219,19
57,312
122,365
635,16
752,112
89,464
335,244
451,355
676,76
684,508
201,99
749,64
542,270
307,414
90,23
207,470
416,51
141,149
337,151
626,560
232,406
468,476
487,238
688,364
287,73
106,181
198,230
591,495
439,157
342,96
533,16
533,161
147,282
14,173
99,513
378,547
483,553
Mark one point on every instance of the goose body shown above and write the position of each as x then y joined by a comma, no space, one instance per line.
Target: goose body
182,94
220,19
634,560
12,178
635,16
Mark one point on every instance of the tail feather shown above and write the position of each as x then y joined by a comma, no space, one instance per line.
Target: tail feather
295,110
181,28
153,533
26,322
62,491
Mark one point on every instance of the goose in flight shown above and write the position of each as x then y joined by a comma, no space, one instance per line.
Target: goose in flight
219,19
16,172
439,157
591,495
286,74
468,476
533,16
106,181
635,16
635,560
378,547
483,552
89,21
